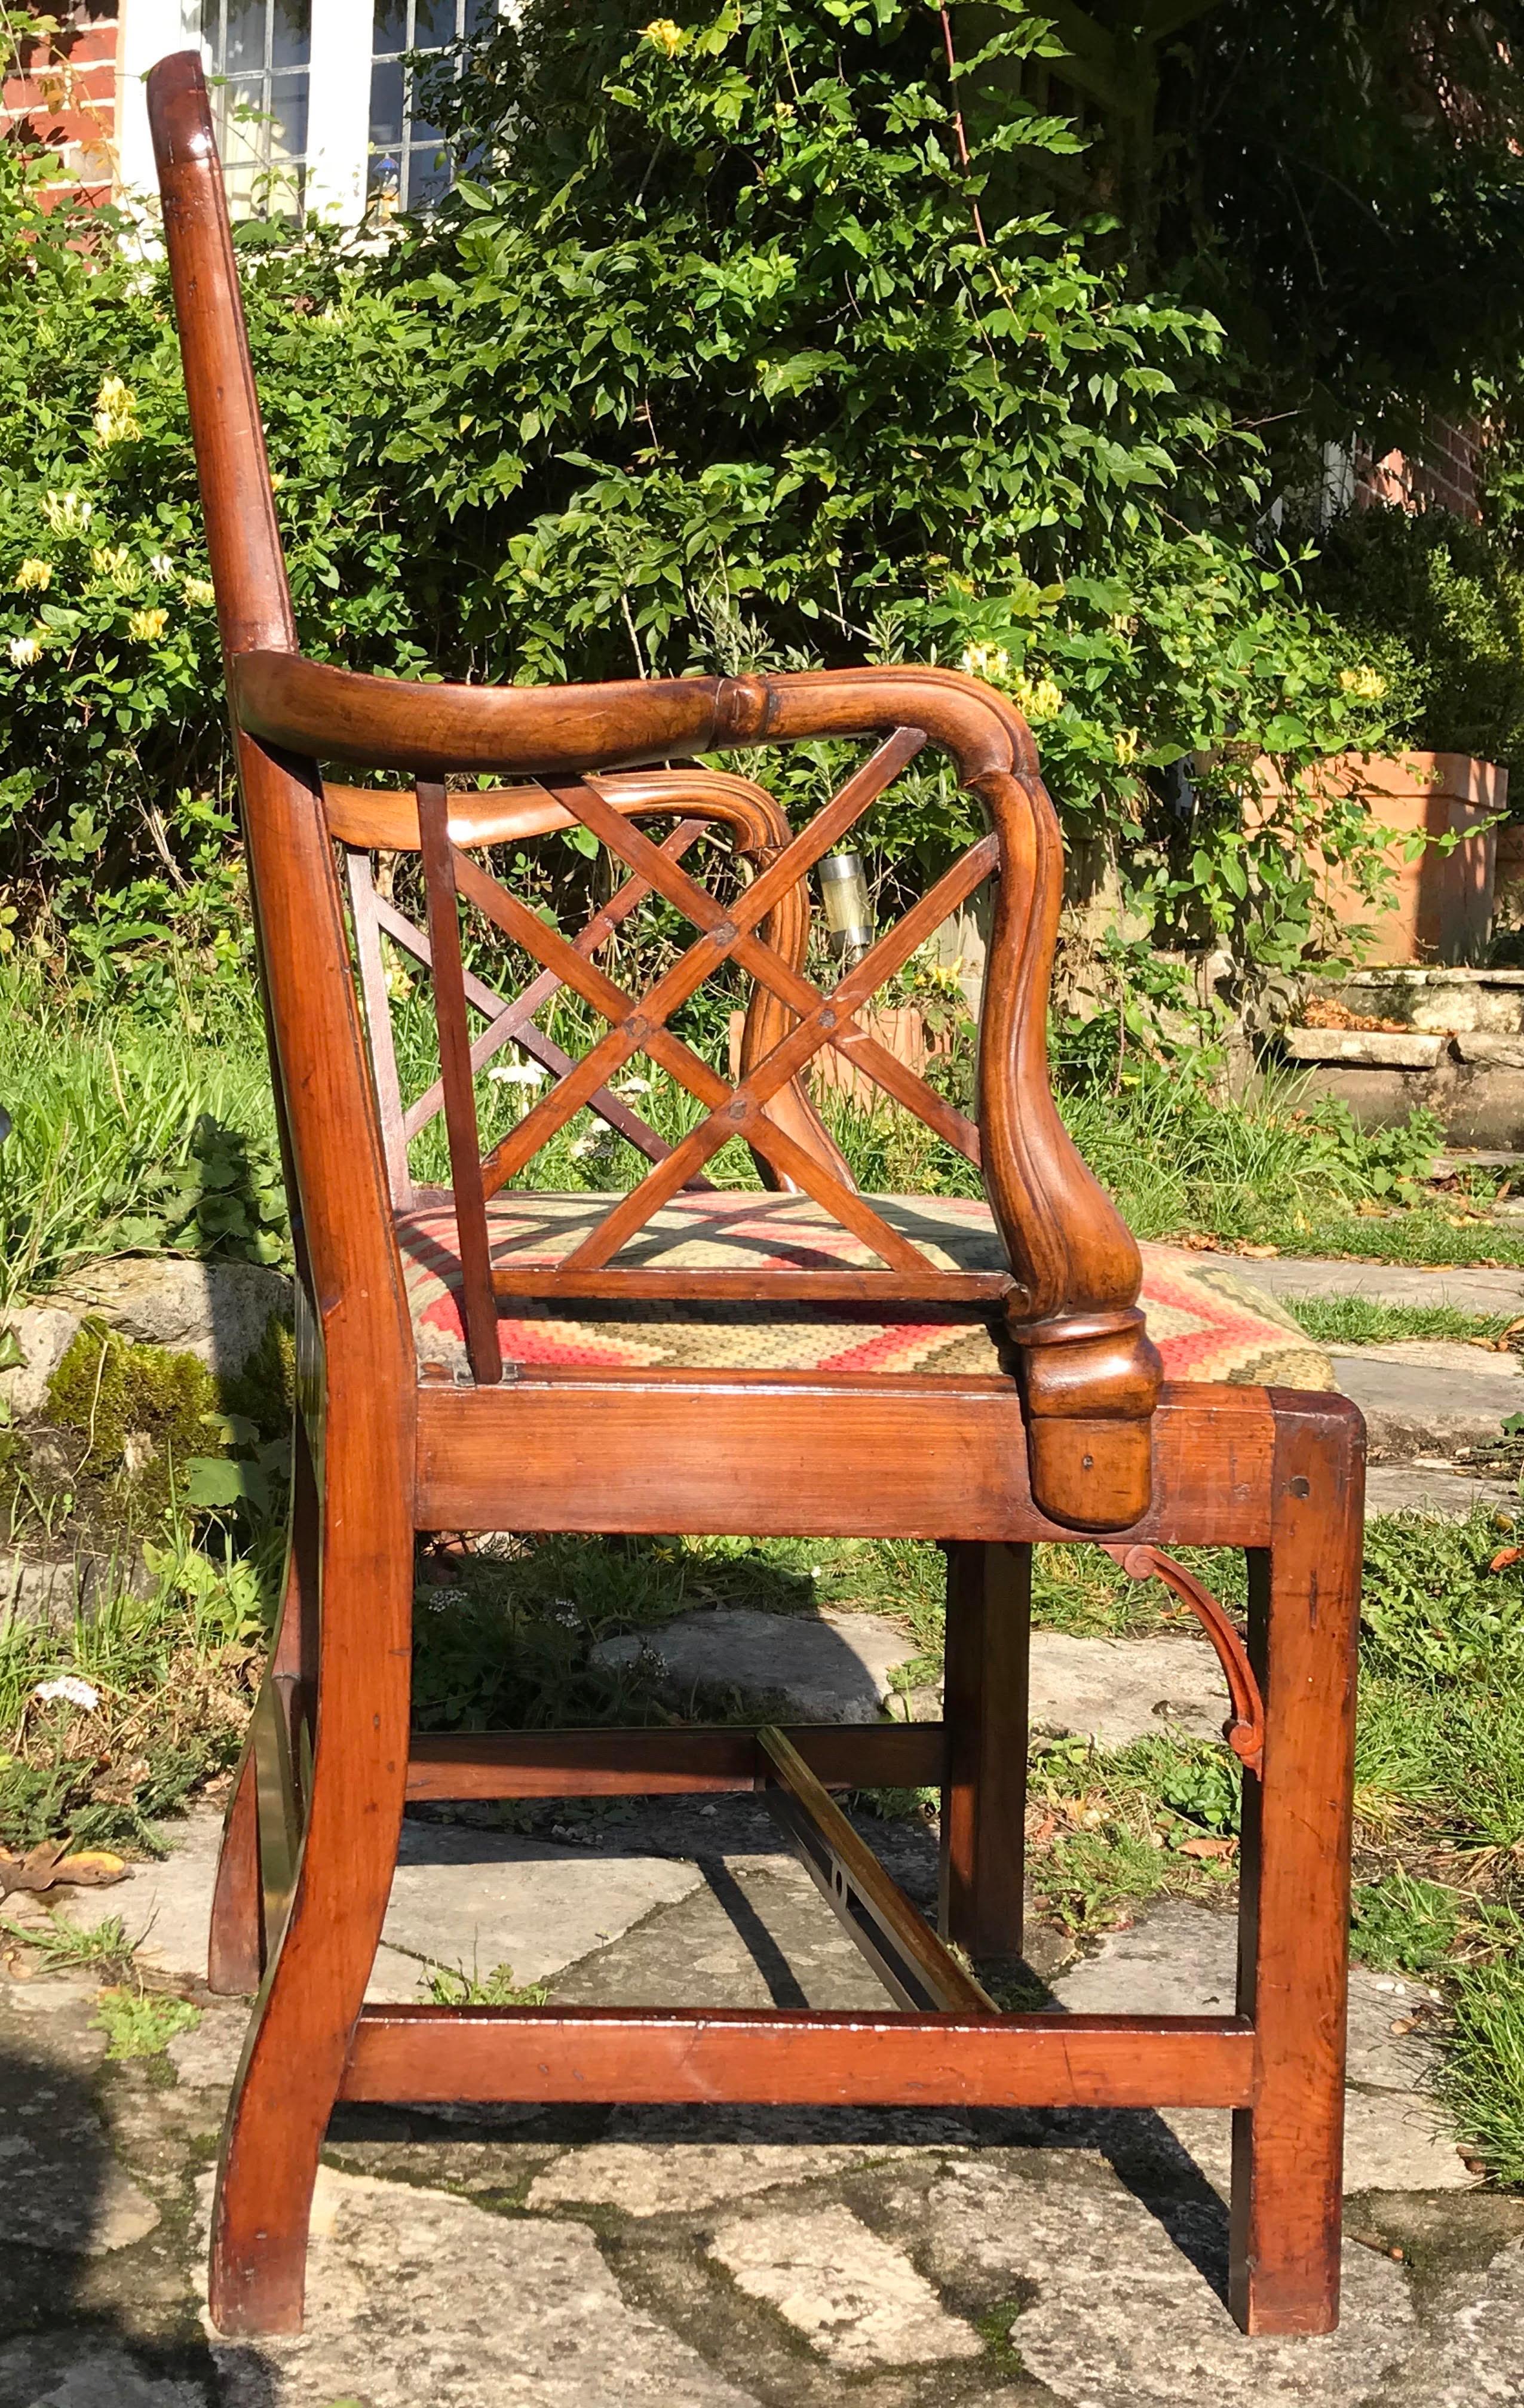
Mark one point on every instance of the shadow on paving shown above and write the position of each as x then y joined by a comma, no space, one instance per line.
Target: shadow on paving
95,2309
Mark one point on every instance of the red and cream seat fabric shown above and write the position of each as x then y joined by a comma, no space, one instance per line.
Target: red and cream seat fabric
1207,1321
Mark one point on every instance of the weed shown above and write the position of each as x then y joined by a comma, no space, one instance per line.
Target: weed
1432,1606
1405,1925
453,1986
142,2023
101,1948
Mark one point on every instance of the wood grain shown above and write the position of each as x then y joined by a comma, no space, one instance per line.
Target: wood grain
1294,1878
795,2058
666,1761
808,1455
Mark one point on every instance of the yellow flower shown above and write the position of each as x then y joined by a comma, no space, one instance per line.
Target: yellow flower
67,513
146,627
25,650
1040,700
991,661
115,418
665,36
33,576
115,563
1126,742
199,589
1366,684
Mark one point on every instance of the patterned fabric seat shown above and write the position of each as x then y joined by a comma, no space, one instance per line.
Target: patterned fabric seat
1207,1321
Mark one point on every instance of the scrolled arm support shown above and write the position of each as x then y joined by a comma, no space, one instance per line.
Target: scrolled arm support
1245,1728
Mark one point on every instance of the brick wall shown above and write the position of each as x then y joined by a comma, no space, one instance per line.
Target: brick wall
1443,476
63,98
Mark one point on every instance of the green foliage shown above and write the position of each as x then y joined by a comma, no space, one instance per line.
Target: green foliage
1431,1608
809,414
453,1986
142,2023
115,808
227,1197
1440,606
1341,181
707,367
110,1101
63,1947
1404,1925
1482,2080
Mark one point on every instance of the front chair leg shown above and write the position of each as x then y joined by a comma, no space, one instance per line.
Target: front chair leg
295,2058
983,1807
1294,1917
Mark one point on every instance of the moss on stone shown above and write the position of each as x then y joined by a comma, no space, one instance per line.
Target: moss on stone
264,1391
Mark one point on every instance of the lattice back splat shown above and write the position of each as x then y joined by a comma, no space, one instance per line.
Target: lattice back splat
764,930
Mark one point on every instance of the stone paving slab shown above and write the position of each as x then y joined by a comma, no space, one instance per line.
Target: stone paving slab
1180,1960
1470,1287
1433,1487
830,1667
523,2257
1116,1690
462,1898
1414,1408
416,2300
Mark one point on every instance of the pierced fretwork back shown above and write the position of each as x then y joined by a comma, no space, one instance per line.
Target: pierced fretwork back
764,930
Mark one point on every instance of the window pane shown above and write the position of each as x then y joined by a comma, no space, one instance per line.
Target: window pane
433,24
430,176
387,103
390,26
291,33
288,117
419,128
244,44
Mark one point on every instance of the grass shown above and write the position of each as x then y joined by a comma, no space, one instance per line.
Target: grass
1360,1321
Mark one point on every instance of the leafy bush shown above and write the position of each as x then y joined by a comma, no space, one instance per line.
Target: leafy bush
1440,606
708,366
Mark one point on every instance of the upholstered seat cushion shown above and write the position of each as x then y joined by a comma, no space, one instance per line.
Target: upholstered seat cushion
1207,1321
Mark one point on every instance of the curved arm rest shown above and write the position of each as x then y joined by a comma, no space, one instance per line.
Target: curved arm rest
539,731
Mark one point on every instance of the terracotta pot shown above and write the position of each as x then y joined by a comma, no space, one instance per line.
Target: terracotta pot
1441,908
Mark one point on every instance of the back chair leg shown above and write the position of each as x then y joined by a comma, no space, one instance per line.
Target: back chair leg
1294,1919
295,2058
984,1802
237,1952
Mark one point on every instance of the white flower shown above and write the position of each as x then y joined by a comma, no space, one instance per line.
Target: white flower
161,567
633,1086
518,1074
991,661
68,1691
25,650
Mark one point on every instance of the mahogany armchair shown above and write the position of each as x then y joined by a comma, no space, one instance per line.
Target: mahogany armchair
685,1357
